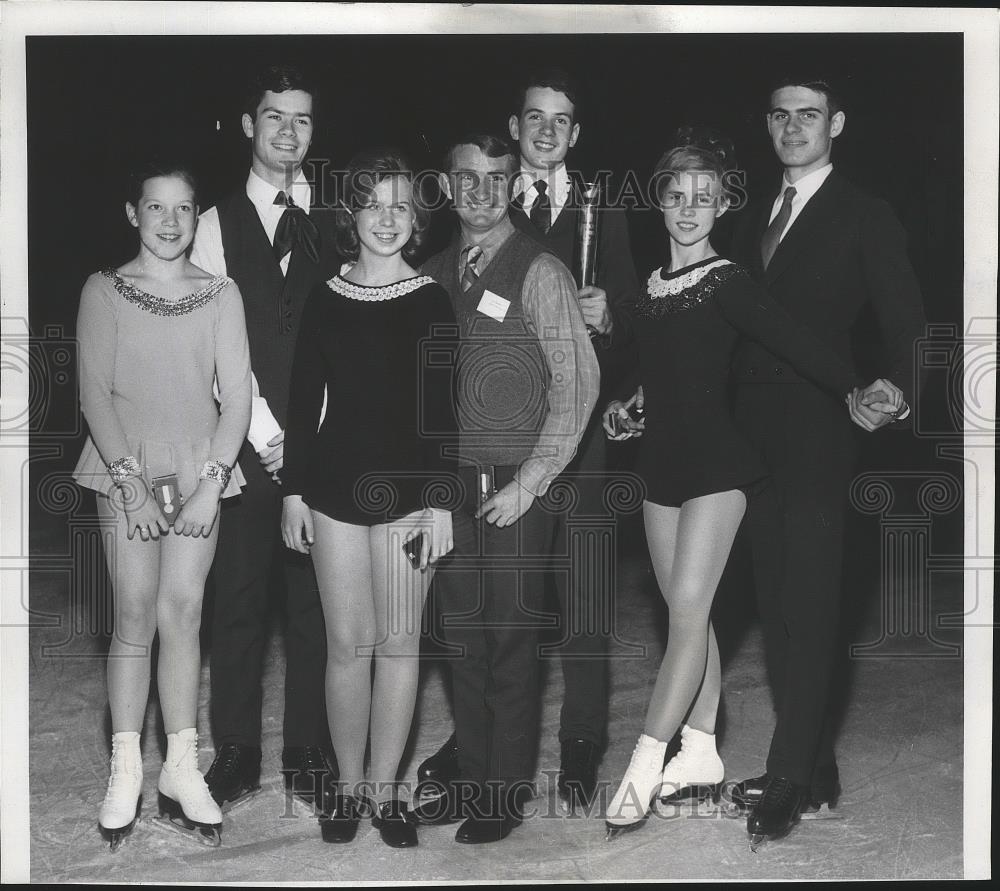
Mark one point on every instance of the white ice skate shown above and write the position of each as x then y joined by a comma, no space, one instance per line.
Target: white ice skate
630,806
185,804
120,808
695,772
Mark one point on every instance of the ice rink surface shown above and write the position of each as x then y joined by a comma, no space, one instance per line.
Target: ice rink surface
899,750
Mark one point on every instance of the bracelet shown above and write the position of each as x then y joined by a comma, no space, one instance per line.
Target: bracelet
122,468
217,472
902,409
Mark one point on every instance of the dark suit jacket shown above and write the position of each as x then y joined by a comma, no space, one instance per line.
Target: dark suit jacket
845,250
615,274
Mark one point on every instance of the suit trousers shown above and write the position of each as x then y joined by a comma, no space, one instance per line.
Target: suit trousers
796,524
584,594
249,558
490,596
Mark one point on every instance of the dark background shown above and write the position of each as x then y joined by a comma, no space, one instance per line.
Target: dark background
94,103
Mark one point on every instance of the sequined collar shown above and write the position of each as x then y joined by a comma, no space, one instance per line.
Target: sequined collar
684,289
160,306
371,293
661,283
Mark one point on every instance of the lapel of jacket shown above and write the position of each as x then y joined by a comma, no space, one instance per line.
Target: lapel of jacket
803,229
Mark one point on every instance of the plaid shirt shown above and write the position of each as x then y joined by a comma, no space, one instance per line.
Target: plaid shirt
552,312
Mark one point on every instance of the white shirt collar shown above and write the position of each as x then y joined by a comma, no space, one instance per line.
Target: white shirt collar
261,193
808,186
558,181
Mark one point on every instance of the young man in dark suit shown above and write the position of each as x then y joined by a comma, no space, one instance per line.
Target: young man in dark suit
269,239
546,206
824,249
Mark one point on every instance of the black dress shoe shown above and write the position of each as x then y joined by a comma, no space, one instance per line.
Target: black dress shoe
341,816
747,793
307,772
482,829
824,788
438,811
578,771
391,822
442,766
777,811
234,774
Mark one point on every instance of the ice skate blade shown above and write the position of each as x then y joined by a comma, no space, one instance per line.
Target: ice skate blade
116,837
697,793
171,816
227,806
615,831
756,842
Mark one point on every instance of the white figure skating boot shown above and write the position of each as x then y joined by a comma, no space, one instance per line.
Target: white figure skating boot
630,806
185,803
120,808
696,771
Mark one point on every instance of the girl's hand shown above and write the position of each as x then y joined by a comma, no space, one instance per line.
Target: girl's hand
197,516
626,425
142,513
435,526
296,524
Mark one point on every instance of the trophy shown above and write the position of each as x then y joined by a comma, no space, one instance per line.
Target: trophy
586,239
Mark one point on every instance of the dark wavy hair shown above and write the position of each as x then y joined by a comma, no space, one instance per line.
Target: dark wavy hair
558,79
364,172
696,148
817,84
149,168
490,144
277,79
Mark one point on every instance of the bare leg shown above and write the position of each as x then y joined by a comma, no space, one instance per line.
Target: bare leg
184,565
342,558
399,592
699,537
134,568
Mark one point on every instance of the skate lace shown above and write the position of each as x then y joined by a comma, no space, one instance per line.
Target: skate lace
226,761
119,768
312,759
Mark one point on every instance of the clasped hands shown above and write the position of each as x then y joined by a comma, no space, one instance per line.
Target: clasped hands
196,517
878,404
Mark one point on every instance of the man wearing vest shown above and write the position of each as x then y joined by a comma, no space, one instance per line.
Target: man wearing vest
546,206
527,379
270,241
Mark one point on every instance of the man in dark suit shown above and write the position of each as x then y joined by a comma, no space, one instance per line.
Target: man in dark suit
824,249
275,246
546,205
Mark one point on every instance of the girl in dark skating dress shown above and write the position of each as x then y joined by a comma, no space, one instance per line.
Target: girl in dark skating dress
696,465
154,335
363,459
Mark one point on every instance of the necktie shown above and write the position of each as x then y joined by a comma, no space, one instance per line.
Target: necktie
470,275
769,243
541,210
294,228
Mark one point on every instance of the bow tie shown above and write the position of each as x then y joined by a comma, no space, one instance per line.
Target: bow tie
294,228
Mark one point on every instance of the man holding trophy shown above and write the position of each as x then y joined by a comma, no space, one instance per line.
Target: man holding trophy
564,214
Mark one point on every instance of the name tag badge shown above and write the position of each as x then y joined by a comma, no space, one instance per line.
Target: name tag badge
494,306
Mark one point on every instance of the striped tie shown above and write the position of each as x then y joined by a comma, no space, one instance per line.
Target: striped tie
769,243
470,275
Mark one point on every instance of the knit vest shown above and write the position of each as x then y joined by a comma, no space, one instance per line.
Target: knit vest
501,376
273,303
